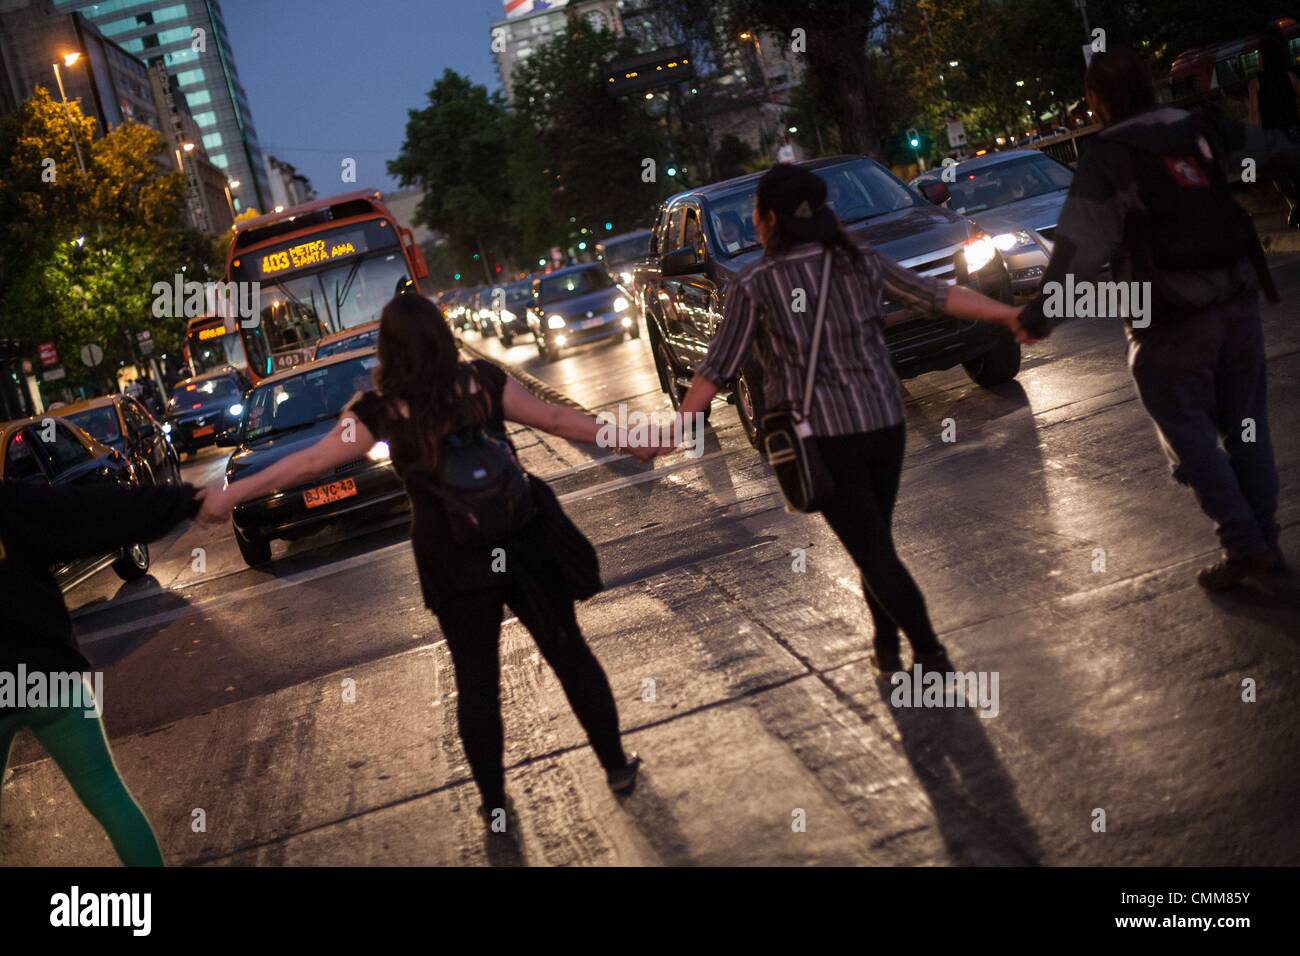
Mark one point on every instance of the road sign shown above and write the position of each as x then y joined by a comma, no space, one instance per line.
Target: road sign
91,355
956,134
49,354
54,374
145,341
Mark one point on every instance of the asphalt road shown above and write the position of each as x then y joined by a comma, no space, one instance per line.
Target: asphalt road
307,709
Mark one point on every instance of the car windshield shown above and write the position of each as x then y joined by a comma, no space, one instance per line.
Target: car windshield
621,251
855,191
340,297
361,341
194,394
314,395
1005,183
100,423
570,285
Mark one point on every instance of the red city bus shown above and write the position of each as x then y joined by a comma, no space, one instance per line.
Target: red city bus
324,266
211,342
1226,66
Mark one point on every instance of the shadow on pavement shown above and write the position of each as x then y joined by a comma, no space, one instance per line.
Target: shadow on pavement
974,798
653,816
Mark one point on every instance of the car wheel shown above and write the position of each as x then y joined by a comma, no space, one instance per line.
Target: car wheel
133,563
998,365
635,330
668,374
254,551
545,351
750,405
507,338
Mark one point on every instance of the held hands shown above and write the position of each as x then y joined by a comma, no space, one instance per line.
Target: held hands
1012,322
219,501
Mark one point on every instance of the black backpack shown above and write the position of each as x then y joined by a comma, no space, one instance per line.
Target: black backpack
482,486
1192,223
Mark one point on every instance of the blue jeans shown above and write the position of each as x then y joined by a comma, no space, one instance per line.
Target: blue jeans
1202,380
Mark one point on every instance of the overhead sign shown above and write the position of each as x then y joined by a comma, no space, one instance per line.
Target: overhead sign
91,355
649,71
49,354
956,134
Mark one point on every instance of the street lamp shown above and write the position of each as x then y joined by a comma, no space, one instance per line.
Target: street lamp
231,184
68,60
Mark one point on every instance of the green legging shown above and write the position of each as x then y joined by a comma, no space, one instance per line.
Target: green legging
78,745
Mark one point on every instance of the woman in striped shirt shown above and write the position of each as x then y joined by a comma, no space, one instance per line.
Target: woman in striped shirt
857,412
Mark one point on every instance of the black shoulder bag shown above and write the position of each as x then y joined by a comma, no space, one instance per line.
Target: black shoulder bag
788,439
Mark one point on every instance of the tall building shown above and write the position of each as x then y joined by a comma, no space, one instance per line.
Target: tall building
190,39
529,24
110,84
209,196
288,186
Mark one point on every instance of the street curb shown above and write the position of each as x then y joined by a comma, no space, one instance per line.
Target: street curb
533,384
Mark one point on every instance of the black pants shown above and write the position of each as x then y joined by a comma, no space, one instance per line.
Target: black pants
866,468
471,622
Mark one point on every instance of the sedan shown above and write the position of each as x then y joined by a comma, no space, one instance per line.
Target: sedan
205,408
125,425
56,452
1016,197
578,305
290,411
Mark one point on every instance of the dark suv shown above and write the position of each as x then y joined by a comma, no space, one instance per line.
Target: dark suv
206,408
704,237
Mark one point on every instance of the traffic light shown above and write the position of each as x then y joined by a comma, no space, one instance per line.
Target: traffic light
476,257
456,277
609,227
913,138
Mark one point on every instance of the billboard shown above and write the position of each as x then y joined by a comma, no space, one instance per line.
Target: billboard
517,8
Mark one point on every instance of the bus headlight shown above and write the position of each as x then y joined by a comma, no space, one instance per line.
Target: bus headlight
620,304
978,253
555,322
379,451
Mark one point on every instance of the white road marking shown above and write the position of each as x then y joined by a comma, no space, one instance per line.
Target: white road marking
361,560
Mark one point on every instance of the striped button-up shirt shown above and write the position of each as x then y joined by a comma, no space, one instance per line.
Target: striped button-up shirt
773,303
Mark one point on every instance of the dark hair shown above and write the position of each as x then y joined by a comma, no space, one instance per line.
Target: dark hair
1274,52
1121,79
419,364
798,197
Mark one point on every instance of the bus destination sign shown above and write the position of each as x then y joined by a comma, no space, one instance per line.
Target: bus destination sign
312,252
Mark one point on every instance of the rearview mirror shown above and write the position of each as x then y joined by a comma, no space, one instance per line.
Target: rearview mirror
682,262
935,190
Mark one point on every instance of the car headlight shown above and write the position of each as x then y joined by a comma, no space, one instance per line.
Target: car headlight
507,315
625,276
979,252
620,304
236,409
1006,241
555,322
167,428
379,451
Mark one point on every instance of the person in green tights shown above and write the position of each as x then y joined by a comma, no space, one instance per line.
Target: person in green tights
40,526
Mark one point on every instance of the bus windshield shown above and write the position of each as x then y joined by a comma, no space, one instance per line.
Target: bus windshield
213,347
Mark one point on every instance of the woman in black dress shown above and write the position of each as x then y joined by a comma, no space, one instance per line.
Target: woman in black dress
424,392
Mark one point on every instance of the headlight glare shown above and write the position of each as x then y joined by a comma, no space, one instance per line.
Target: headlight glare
555,322
979,252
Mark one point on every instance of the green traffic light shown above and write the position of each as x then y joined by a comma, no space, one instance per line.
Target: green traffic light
915,143
609,227
456,277
476,257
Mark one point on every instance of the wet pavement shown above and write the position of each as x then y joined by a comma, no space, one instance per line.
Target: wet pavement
305,713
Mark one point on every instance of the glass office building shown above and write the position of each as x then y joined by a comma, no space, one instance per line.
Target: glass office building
201,68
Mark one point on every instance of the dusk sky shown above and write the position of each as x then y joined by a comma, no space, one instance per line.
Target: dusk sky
328,79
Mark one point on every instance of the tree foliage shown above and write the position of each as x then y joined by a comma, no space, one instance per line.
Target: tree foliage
80,251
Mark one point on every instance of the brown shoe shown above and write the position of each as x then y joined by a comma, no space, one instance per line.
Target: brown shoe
1229,572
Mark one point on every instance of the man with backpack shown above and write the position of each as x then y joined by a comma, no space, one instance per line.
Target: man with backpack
1150,197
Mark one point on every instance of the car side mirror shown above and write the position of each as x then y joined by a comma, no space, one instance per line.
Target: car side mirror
935,190
683,262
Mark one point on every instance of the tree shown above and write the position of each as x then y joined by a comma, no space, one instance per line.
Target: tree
837,70
80,252
592,146
457,151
